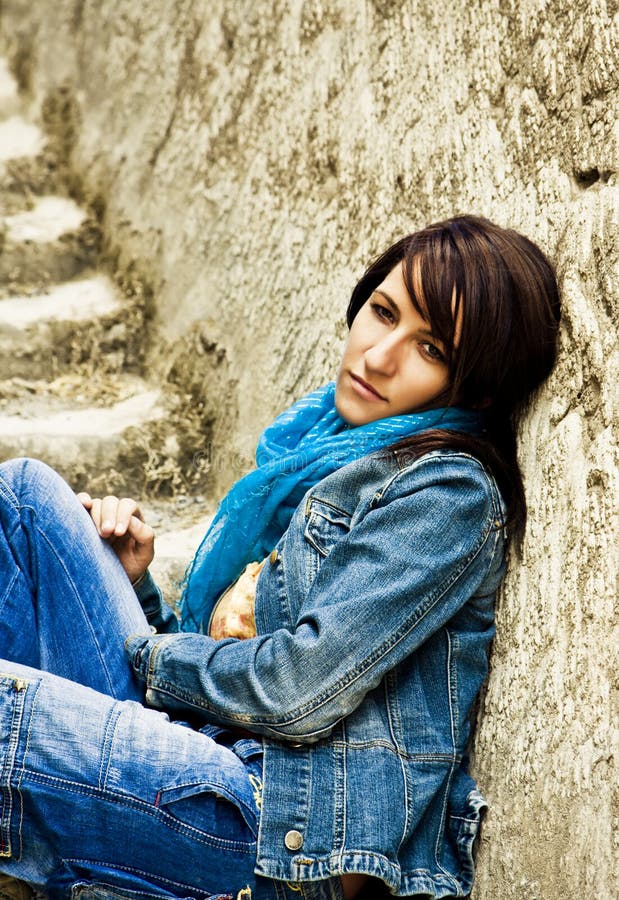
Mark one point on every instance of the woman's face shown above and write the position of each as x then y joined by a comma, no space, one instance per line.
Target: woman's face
392,363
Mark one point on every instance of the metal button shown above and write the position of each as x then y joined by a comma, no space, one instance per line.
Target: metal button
273,556
293,840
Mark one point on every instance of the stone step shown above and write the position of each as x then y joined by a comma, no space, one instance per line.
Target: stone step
10,101
28,171
90,422
38,333
82,442
32,398
68,338
74,300
28,164
53,241
46,222
19,138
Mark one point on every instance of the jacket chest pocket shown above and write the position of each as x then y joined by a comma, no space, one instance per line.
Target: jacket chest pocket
325,525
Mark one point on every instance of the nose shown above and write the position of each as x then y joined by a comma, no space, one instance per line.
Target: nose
382,357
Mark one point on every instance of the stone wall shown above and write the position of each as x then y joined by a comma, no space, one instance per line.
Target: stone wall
249,157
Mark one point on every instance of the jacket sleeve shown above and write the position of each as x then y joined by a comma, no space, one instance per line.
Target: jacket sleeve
398,576
158,614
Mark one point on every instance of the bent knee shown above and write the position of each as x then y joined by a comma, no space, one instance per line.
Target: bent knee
26,477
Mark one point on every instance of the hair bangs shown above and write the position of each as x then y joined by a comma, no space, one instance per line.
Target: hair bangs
434,279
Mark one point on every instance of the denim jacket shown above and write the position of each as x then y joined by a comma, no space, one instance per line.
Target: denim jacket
374,617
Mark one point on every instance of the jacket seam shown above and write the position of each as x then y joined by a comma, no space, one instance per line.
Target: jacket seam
428,459
316,497
405,828
452,688
441,829
385,745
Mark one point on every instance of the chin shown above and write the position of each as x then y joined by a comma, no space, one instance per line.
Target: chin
347,415
355,419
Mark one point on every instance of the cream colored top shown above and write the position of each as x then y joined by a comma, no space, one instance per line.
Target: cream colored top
233,615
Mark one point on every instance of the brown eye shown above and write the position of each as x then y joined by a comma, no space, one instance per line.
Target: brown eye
382,312
432,352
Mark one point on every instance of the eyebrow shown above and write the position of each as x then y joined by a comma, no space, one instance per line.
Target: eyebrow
395,309
394,306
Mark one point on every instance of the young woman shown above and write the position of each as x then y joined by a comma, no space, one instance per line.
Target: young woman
306,734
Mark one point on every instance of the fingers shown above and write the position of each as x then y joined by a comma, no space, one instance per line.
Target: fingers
116,515
140,531
95,512
136,548
85,499
112,515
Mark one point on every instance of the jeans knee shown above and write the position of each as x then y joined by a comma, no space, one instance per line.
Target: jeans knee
29,478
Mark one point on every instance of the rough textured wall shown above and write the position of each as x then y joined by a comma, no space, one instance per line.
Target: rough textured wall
250,156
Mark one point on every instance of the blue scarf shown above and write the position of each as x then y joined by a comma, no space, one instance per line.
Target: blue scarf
301,447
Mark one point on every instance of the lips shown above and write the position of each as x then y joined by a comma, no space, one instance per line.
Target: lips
364,389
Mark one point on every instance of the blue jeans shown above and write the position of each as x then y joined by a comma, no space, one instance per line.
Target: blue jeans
99,796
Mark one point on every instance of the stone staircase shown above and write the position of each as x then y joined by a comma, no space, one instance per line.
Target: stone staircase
72,385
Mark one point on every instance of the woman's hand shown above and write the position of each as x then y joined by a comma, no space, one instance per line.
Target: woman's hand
120,523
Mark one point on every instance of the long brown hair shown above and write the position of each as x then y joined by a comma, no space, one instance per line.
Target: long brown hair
491,298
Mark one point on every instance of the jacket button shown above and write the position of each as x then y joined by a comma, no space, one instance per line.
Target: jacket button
273,555
293,840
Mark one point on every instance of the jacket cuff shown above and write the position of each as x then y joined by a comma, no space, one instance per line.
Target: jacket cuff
139,648
158,613
147,593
